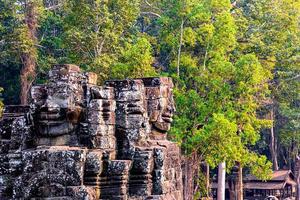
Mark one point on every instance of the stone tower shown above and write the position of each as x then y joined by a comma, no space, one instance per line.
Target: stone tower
78,140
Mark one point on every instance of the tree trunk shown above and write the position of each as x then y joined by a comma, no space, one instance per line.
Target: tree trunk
190,168
221,181
273,143
207,180
179,47
297,174
235,183
28,57
187,184
232,188
27,76
239,186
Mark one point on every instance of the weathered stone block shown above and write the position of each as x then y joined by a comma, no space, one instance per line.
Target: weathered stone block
158,81
105,118
4,164
118,167
131,108
159,157
143,162
38,94
15,163
158,182
90,78
82,192
56,166
126,85
93,168
19,131
114,180
104,142
129,96
61,72
152,92
101,130
107,93
4,146
131,122
140,181
5,128
102,105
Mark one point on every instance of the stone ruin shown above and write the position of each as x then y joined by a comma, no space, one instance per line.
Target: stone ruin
77,140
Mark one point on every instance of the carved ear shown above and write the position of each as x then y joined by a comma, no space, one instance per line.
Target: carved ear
73,116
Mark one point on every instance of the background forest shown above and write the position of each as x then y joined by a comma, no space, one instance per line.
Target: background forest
235,65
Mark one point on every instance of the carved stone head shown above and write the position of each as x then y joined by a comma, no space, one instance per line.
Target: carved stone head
132,124
160,103
57,106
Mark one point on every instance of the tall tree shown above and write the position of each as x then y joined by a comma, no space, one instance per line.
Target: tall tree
270,29
20,38
9,62
29,55
218,92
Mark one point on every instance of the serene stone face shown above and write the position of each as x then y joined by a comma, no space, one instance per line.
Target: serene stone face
160,102
58,104
165,117
101,118
132,124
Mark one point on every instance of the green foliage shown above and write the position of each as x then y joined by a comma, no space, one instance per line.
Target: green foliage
95,32
202,191
270,29
9,62
218,92
135,61
260,166
50,50
15,41
94,35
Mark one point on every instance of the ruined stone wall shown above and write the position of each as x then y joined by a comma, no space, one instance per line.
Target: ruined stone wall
77,140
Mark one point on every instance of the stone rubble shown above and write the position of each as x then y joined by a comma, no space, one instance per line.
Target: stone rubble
77,140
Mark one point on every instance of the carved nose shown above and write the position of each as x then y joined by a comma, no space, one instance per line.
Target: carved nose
171,108
171,105
174,108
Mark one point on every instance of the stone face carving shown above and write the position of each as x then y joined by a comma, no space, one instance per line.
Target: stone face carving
78,140
132,124
58,106
160,104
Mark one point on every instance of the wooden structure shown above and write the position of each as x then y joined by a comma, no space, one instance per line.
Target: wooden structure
282,185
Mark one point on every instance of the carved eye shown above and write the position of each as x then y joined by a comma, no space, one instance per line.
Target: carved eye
159,107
